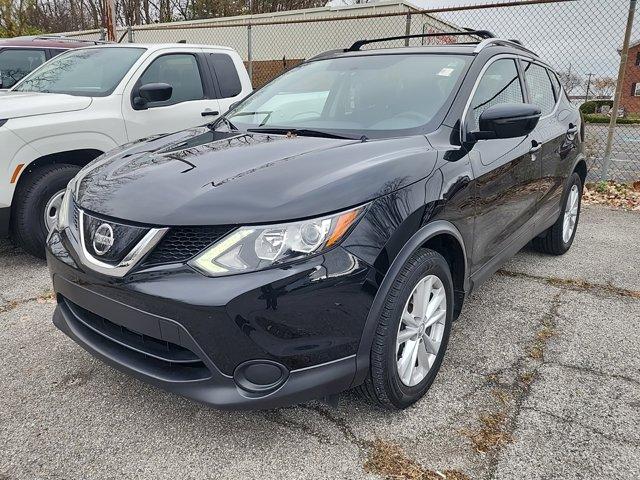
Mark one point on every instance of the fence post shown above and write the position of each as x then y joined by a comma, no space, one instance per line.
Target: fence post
130,34
624,55
407,29
249,52
103,34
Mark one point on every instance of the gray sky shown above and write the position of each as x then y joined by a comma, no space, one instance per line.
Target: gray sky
583,33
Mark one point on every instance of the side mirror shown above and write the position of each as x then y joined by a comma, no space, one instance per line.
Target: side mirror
152,92
507,120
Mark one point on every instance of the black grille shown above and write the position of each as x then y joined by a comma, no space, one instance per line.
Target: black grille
182,243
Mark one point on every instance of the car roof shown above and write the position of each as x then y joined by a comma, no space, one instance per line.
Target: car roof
41,42
453,49
159,46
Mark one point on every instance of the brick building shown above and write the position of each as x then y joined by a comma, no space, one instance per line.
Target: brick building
630,100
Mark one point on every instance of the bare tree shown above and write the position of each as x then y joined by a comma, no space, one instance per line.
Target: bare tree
570,80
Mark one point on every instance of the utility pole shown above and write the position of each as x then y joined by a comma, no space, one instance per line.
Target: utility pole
109,21
586,96
624,56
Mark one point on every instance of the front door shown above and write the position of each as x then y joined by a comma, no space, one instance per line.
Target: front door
191,103
506,171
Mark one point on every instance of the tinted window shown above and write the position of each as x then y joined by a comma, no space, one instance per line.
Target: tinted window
499,84
373,95
92,72
16,63
540,89
226,74
181,72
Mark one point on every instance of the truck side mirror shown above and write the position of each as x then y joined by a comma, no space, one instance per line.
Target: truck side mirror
152,92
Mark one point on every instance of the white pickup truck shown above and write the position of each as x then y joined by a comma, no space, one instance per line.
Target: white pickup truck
90,100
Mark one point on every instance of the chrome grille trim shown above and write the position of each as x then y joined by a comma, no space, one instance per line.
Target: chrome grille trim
136,254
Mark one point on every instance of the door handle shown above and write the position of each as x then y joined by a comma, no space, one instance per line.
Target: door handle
535,146
210,113
572,129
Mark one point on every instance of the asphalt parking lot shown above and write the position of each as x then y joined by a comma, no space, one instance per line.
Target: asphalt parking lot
541,380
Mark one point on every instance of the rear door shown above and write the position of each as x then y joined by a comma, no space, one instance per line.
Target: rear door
225,77
192,103
506,173
557,133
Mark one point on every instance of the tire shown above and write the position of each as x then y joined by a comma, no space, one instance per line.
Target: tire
384,385
28,227
552,240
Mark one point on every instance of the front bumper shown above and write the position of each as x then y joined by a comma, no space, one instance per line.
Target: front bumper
257,340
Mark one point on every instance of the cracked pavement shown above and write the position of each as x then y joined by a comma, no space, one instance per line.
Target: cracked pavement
548,348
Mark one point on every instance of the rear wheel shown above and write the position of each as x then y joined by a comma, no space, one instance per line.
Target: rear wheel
557,239
36,205
412,332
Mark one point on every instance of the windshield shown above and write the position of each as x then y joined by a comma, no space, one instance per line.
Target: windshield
94,72
374,95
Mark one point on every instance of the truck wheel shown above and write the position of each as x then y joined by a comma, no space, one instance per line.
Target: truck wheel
412,332
557,239
35,206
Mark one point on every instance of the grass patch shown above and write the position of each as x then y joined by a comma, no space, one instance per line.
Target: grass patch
389,461
492,434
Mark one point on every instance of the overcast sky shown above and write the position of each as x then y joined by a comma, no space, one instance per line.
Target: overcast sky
584,33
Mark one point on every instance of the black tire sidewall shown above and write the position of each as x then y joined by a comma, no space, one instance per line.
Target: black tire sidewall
400,394
29,227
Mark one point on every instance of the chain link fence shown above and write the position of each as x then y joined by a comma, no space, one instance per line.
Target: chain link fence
581,39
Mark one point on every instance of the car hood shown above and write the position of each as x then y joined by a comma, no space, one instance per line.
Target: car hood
27,104
200,177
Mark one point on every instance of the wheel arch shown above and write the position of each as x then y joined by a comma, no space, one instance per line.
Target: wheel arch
79,157
439,235
581,169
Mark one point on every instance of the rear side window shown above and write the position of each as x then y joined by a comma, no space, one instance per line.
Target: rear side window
499,84
181,72
540,88
226,73
556,83
16,63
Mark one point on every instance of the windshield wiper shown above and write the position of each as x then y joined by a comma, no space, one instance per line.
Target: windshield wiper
213,125
303,132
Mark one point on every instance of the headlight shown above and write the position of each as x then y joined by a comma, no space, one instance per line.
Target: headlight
63,211
248,249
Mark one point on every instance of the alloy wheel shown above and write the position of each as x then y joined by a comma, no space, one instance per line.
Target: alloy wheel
421,330
571,213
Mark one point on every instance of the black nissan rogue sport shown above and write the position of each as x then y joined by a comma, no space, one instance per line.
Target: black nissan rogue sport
324,233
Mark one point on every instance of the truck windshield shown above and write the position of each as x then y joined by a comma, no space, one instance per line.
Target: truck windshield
372,95
93,72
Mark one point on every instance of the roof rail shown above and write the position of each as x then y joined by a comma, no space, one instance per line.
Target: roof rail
483,34
63,38
502,41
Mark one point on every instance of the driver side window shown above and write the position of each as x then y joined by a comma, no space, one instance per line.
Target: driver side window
499,84
178,70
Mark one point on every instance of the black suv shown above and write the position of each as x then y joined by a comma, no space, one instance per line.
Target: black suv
324,233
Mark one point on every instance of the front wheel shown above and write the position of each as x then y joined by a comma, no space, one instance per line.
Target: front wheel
412,332
558,239
36,205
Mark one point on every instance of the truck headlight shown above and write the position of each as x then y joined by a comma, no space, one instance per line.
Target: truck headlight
249,249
